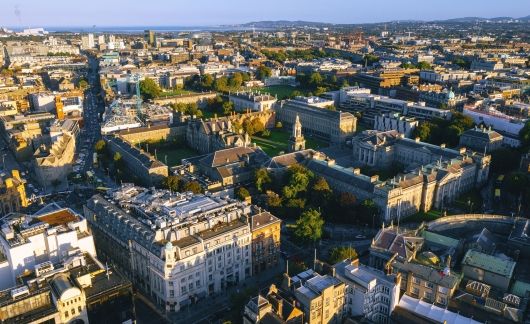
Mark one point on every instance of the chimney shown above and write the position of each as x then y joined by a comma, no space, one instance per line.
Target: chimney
356,171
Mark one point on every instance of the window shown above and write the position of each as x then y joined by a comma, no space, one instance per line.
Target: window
66,314
190,285
79,309
171,293
415,291
183,289
197,283
415,280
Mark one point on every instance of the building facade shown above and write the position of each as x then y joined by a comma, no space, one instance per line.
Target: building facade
176,248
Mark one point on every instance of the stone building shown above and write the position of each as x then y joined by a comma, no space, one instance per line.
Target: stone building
52,163
175,247
436,176
481,139
394,121
143,165
265,241
330,125
244,101
12,193
207,136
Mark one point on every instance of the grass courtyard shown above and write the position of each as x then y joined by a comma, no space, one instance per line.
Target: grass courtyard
282,91
171,153
278,142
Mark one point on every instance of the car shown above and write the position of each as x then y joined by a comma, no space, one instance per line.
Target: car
360,237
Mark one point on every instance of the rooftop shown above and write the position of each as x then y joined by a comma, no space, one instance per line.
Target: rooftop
489,263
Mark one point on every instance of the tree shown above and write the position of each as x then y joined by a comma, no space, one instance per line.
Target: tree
149,89
172,183
192,186
423,65
524,135
228,107
298,179
279,124
504,159
242,193
423,131
341,253
83,84
262,179
117,157
220,84
207,81
310,225
273,199
235,81
320,192
263,72
315,80
100,146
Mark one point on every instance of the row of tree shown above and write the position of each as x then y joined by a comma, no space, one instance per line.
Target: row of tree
441,131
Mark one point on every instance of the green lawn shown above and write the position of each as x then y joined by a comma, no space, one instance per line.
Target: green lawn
277,142
175,92
423,217
172,152
283,91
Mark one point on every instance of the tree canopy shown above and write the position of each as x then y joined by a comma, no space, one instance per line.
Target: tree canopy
310,225
149,89
340,253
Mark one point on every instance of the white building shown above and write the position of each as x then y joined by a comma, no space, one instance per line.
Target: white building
176,247
446,76
51,235
244,101
369,292
402,124
87,41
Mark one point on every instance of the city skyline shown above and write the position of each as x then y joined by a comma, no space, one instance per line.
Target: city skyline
34,13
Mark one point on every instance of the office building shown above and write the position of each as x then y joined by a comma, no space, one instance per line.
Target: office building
369,293
176,247
28,241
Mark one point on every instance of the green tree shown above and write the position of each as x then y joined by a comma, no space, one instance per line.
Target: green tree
228,107
320,192
207,81
423,131
504,160
192,186
279,124
273,199
235,81
117,157
149,89
220,84
315,80
263,72
309,226
262,179
100,146
83,84
242,193
524,135
423,65
172,183
341,253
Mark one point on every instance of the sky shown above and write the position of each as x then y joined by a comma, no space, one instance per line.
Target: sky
36,13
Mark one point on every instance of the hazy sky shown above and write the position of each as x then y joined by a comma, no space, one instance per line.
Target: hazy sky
214,12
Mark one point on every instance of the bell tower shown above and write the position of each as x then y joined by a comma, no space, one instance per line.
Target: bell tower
297,140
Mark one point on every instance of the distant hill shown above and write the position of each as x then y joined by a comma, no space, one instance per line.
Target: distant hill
300,23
